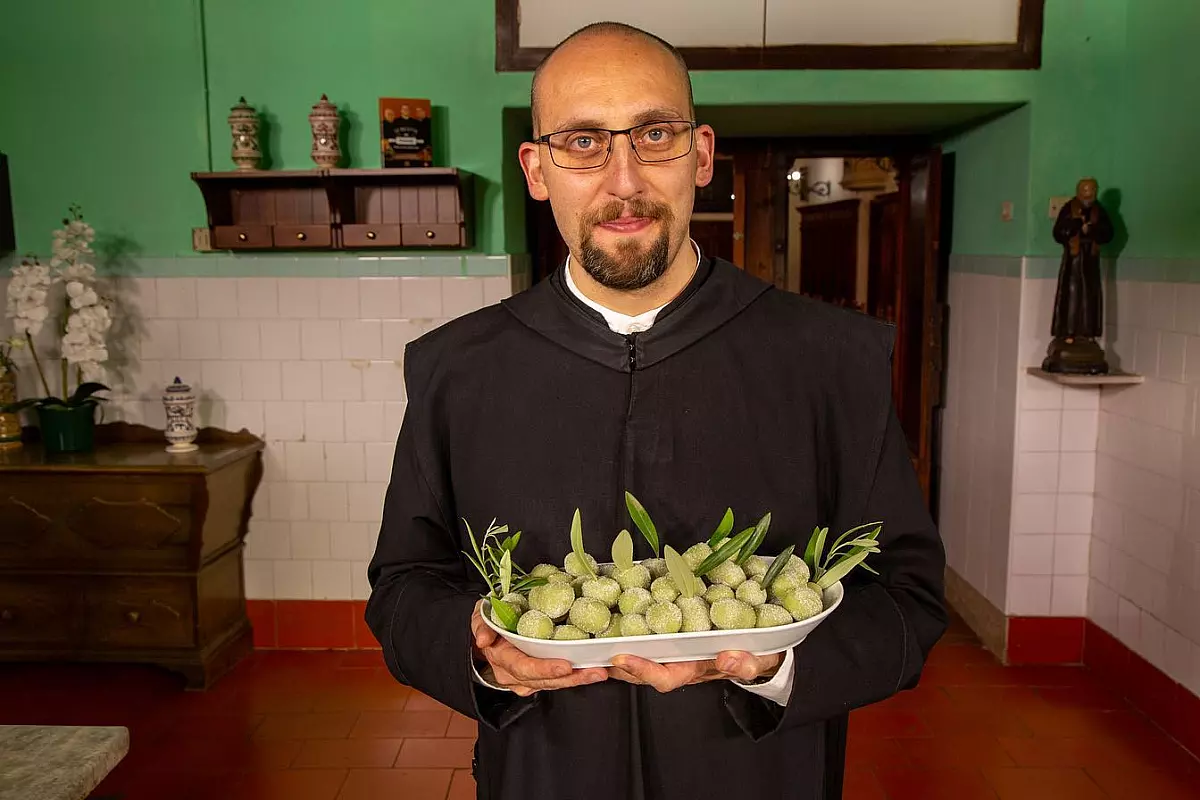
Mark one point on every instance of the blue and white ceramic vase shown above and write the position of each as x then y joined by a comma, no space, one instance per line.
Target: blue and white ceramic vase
180,403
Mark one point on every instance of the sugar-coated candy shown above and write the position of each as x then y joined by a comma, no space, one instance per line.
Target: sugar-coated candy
535,625
634,601
573,567
695,614
552,599
752,593
569,632
771,615
732,614
664,618
606,590
718,591
589,615
634,625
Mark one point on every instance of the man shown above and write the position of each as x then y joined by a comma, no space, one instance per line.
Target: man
644,366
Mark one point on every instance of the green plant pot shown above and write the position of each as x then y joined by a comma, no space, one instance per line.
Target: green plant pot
68,430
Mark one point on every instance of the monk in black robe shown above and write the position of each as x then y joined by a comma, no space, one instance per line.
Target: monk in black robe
1081,228
644,365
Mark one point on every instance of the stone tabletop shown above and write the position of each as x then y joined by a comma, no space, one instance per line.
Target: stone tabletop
47,762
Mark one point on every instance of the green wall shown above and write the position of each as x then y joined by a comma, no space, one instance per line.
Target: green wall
106,105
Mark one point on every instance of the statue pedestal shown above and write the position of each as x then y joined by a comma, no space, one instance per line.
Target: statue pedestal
1075,356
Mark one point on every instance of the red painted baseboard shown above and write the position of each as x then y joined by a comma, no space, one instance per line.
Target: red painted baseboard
1045,640
310,624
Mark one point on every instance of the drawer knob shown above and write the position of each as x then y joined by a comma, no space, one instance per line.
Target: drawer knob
429,234
242,237
133,616
6,615
370,234
301,236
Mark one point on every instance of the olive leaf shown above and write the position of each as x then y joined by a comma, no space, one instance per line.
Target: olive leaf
577,545
622,551
777,566
505,573
644,524
812,554
723,528
504,614
755,541
723,553
838,571
528,583
681,574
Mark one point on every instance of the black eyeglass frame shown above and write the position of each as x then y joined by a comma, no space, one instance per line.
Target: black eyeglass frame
613,134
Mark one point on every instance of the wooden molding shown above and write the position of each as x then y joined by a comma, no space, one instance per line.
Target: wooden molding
989,623
1025,53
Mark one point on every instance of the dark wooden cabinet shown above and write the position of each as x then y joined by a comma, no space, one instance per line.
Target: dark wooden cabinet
128,553
338,209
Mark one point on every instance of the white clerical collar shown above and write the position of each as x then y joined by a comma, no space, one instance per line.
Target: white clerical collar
621,323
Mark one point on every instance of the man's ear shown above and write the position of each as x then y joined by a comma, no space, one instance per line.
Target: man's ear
706,143
531,165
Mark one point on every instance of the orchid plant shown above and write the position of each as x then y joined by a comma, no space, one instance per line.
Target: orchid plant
85,318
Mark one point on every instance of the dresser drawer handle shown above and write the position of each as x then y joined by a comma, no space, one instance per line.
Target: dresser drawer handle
242,237
429,234
6,615
370,234
301,236
133,616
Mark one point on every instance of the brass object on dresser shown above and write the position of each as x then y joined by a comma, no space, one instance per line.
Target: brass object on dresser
128,553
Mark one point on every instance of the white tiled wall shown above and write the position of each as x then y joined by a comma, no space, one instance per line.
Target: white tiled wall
978,429
1057,429
1144,563
311,364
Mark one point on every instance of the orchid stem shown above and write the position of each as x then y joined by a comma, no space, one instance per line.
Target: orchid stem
37,362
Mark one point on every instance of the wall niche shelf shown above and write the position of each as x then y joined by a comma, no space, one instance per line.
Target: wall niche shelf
1113,378
338,209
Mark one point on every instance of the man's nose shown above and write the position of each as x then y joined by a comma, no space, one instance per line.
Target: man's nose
624,171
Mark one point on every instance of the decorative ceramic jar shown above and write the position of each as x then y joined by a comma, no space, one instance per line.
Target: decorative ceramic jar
180,403
243,124
10,423
326,151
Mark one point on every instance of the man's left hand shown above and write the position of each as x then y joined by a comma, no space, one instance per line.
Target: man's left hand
669,677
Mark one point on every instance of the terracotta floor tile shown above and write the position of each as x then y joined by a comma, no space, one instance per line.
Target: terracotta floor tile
1072,723
1121,781
877,721
462,787
961,751
296,784
967,721
1044,783
462,727
360,698
861,784
419,702
402,784
337,753
454,753
333,725
1028,751
935,784
1087,697
870,752
401,724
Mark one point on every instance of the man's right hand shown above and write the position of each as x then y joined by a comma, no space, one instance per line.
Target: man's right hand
524,674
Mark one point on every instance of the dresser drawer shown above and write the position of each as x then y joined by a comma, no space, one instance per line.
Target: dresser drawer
235,237
360,235
140,612
432,235
35,611
303,236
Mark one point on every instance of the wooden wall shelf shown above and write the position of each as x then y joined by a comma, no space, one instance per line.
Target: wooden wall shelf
338,209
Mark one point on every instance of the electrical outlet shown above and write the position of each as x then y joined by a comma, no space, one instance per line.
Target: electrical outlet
1056,205
201,240
1006,211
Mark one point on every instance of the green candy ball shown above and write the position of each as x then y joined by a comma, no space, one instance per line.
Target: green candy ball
664,618
559,577
543,571
697,553
636,577
718,591
614,628
796,565
589,615
771,615
607,570
657,567
518,601
634,601
569,632
732,614
575,568
785,583
756,566
664,590
752,593
802,603
606,590
728,573
535,625
552,599
634,625
695,614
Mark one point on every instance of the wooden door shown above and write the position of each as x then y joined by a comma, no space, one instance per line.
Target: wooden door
918,359
883,261
829,251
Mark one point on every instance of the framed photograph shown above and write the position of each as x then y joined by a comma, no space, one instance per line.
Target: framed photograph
405,135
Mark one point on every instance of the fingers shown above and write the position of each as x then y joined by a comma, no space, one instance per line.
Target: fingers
746,667
484,636
525,688
525,668
663,677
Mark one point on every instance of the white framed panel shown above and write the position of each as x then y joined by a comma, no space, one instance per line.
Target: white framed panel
891,22
699,23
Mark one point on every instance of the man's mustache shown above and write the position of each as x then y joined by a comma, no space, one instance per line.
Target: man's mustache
636,208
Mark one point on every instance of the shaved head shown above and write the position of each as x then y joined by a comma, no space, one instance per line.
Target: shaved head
615,30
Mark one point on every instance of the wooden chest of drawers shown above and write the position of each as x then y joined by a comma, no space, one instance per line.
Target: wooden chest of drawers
128,553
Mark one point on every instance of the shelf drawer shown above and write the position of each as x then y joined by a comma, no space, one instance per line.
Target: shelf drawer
433,235
140,613
362,235
303,236
234,237
35,611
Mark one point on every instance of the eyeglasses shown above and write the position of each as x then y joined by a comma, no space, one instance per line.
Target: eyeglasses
588,148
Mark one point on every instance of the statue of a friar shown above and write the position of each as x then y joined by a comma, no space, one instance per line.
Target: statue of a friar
1082,228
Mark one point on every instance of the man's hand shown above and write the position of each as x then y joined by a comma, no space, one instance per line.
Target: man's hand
669,677
524,674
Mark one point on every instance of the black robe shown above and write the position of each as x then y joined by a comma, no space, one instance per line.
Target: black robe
740,395
1079,298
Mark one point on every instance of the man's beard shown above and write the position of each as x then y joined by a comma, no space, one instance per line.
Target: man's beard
629,268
